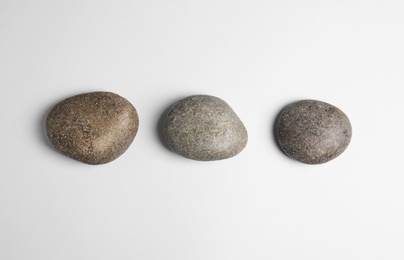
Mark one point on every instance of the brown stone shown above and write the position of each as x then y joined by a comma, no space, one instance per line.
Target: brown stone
93,128
312,131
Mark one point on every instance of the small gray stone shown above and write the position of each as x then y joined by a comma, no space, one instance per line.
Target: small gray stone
204,128
93,128
313,132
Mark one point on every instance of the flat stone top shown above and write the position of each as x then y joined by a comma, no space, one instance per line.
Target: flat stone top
312,131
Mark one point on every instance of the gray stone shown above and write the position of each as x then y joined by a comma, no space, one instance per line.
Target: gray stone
204,128
313,132
93,128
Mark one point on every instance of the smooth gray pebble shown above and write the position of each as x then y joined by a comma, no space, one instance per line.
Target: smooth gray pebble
204,128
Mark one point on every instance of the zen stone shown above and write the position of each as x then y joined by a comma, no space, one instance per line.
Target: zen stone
93,128
204,128
313,132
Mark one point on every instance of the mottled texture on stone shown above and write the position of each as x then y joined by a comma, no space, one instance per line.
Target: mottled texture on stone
313,132
204,128
94,128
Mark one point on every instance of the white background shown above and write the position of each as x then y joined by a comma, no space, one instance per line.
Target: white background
154,204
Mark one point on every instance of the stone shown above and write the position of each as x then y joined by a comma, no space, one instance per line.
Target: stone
93,128
313,132
204,128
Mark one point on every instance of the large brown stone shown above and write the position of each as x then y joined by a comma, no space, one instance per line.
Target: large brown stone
94,128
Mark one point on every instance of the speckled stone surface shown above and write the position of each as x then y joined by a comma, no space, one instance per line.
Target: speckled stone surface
312,131
204,128
94,128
